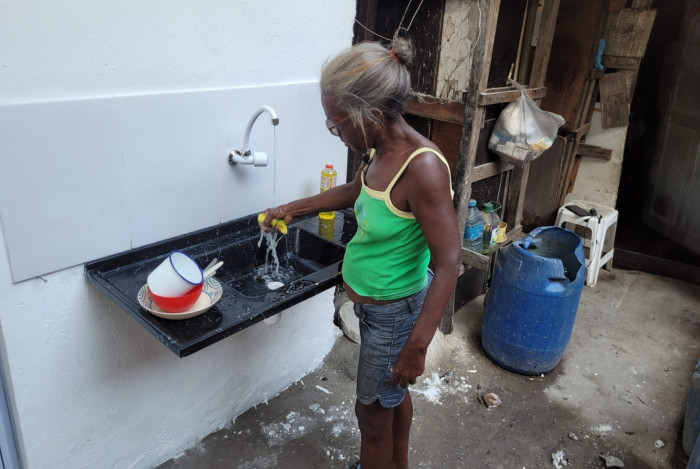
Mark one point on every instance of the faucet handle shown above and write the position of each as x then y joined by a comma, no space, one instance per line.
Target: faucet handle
257,158
260,158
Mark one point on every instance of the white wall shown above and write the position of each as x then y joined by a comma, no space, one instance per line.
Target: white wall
88,386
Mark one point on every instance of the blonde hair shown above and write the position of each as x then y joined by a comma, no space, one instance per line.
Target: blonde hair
369,77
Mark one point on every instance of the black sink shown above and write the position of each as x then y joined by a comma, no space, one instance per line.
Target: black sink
300,255
309,262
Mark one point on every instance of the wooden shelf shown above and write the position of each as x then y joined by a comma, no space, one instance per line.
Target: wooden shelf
488,170
475,259
483,261
431,107
508,94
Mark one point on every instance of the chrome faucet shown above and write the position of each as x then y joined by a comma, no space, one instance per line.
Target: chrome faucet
245,156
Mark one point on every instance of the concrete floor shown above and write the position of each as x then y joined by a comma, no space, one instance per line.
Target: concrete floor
620,390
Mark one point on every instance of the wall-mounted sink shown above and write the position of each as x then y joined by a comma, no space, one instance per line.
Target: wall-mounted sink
309,264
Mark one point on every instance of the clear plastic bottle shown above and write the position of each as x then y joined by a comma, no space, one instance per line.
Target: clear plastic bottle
474,228
491,222
328,178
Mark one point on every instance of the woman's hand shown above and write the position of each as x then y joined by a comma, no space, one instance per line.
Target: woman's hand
280,213
409,365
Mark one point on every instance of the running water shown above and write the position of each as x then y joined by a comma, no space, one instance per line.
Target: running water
271,239
270,272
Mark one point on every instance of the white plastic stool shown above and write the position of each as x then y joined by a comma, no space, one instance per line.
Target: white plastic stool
600,254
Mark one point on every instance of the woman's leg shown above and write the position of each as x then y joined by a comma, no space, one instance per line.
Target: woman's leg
376,435
403,416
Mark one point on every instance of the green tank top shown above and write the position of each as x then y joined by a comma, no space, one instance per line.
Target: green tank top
388,256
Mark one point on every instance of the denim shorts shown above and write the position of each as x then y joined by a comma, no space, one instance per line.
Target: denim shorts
384,330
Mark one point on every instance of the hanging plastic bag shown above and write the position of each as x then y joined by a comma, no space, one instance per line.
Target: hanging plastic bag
523,131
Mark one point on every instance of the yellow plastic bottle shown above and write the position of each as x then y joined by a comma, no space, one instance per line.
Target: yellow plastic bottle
328,177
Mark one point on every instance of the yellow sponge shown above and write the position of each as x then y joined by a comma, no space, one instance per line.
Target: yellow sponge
279,224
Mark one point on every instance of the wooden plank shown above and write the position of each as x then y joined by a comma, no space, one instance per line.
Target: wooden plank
630,260
594,74
572,176
570,151
447,136
588,98
542,197
475,259
578,30
613,101
616,5
474,114
508,95
483,261
545,37
526,54
515,200
641,4
513,234
621,63
434,108
583,130
630,77
590,106
592,151
473,119
488,170
627,32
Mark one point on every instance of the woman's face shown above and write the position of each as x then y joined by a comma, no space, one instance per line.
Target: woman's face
340,124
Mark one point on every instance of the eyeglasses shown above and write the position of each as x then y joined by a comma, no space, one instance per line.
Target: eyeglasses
333,127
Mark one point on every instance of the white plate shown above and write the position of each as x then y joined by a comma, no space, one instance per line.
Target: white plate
211,293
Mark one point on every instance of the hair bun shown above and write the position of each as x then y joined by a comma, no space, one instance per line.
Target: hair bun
402,48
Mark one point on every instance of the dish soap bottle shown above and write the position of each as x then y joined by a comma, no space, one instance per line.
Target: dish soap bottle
491,222
328,177
474,228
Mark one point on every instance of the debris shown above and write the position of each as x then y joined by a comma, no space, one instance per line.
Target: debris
490,400
612,461
433,390
321,388
603,430
573,436
558,459
659,444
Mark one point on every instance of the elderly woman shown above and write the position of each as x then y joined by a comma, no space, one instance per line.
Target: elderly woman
403,204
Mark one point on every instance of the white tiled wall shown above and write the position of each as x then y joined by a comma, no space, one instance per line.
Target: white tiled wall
83,179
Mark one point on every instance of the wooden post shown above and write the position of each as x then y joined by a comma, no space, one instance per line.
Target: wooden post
473,120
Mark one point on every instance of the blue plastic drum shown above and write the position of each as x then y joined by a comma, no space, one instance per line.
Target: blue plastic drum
531,306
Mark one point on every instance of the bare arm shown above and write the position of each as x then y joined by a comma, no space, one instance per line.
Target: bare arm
431,203
336,198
